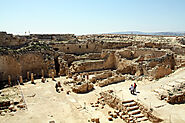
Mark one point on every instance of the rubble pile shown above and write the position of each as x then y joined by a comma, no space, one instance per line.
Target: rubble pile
173,92
10,101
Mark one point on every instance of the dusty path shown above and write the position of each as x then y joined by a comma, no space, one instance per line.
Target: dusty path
45,106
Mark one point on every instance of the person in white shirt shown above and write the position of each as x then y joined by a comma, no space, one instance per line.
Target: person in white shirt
131,89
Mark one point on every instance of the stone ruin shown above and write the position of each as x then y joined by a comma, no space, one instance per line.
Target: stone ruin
128,110
102,58
82,87
173,92
11,101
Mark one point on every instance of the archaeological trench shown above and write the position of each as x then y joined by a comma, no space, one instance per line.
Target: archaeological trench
90,61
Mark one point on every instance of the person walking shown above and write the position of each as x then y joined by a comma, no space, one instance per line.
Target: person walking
57,86
135,85
131,89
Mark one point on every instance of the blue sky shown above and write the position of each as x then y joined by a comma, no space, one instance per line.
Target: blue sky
91,16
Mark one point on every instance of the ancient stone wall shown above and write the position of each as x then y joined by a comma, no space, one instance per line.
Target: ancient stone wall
9,65
83,88
160,71
179,50
116,45
106,62
133,61
147,53
101,76
109,59
8,40
111,80
54,37
69,58
125,53
179,61
126,67
87,65
19,64
167,59
79,48
33,63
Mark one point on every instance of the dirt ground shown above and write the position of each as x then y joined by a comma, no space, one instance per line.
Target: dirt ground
44,104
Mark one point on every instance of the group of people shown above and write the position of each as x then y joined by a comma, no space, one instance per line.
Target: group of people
58,87
133,88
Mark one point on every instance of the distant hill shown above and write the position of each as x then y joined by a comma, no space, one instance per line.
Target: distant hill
152,33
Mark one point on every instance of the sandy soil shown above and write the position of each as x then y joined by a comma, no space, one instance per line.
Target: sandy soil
45,104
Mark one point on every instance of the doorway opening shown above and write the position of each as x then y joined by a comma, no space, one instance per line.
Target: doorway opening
57,66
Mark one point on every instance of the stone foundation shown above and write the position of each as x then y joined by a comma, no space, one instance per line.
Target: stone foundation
173,93
83,87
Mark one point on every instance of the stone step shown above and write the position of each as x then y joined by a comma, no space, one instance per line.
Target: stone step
134,112
130,119
138,115
142,119
127,101
130,104
132,108
125,116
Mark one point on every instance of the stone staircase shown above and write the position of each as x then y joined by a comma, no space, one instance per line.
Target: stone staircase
133,113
